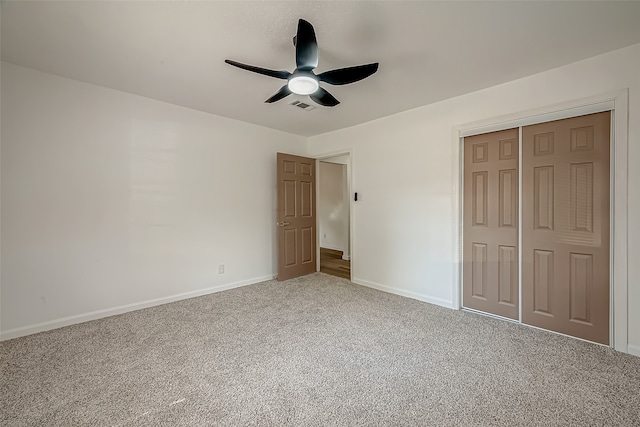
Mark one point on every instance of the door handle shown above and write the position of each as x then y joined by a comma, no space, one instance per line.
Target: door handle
282,223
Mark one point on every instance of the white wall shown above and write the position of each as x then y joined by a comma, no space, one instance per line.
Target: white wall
112,201
405,170
333,213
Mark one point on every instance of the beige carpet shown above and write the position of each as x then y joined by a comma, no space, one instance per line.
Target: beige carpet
314,351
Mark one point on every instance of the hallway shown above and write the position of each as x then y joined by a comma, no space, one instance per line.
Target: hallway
331,262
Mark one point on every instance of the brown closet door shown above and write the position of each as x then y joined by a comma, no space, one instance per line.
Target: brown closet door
490,237
565,226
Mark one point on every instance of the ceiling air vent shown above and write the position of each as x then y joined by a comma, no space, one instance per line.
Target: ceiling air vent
302,105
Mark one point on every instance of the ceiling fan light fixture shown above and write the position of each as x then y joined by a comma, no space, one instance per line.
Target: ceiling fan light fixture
303,81
303,85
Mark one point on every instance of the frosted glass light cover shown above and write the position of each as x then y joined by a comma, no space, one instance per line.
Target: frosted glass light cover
303,85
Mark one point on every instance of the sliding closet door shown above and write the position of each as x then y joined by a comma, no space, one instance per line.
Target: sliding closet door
565,226
490,238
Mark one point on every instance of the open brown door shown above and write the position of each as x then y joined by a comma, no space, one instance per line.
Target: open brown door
565,226
296,216
490,254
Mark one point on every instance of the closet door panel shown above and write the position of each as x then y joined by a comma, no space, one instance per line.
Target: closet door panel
565,226
490,237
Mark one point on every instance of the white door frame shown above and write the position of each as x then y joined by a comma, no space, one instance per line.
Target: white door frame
350,186
618,104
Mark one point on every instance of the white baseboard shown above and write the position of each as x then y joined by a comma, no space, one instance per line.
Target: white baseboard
99,314
346,257
420,297
634,349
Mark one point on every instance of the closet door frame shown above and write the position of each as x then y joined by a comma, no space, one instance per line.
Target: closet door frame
617,103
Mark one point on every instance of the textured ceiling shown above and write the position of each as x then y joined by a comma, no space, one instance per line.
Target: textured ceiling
428,51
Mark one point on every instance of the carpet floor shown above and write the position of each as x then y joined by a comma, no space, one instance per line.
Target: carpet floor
312,351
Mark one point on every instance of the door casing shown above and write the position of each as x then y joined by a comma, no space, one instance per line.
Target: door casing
617,103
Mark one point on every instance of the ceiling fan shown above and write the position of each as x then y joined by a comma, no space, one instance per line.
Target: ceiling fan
303,81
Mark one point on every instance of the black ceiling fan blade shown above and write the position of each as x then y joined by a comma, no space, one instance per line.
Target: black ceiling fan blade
271,73
348,75
323,97
306,47
284,91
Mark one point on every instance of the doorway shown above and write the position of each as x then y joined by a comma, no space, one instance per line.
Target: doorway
334,215
547,264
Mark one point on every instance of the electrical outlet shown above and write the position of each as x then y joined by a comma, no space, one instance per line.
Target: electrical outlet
221,269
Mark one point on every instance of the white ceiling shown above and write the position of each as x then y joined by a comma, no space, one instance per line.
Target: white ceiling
428,51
